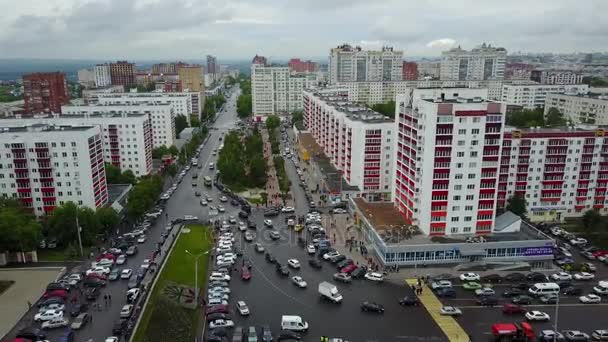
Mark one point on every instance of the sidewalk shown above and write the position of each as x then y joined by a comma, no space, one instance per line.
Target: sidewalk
272,183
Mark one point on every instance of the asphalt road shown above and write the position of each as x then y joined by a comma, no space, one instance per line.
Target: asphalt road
183,202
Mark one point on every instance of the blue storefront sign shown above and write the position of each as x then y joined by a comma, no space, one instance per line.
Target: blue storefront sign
534,251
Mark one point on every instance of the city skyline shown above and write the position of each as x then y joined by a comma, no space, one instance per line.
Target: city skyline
238,29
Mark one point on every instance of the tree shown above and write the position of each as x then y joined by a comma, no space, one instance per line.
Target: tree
128,177
195,121
526,118
20,231
594,81
173,150
181,122
386,109
114,176
591,220
243,105
555,118
108,219
297,117
143,195
264,196
159,152
62,224
517,205
272,122
172,170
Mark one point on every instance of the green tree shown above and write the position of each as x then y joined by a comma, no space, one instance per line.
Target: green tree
555,118
386,109
160,151
594,81
264,196
181,122
20,231
195,121
591,220
62,224
143,195
172,170
113,174
173,150
526,118
297,117
272,122
517,205
128,177
243,105
107,218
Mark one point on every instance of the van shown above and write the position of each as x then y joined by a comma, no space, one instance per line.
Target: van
542,289
294,323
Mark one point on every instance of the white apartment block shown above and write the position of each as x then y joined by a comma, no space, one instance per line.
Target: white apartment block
481,63
161,116
275,90
353,64
102,75
532,96
556,77
358,141
184,103
580,109
126,138
447,158
560,172
46,166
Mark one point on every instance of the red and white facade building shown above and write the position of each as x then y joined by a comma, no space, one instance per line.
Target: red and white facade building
358,141
44,166
447,159
560,172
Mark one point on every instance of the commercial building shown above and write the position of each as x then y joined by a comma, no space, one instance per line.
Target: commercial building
556,77
532,96
448,150
45,92
358,141
561,172
274,89
481,63
410,71
122,73
297,65
350,64
580,109
102,75
191,77
45,166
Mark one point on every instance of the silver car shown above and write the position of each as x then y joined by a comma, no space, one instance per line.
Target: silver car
80,321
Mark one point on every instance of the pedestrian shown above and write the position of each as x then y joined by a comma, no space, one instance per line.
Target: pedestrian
110,298
29,305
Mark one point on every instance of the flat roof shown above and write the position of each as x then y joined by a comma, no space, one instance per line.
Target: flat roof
352,110
381,214
571,129
593,96
458,100
44,128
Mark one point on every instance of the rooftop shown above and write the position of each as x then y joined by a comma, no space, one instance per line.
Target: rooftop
458,100
596,96
43,128
351,110
565,129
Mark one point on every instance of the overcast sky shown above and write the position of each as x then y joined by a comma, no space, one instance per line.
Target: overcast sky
190,29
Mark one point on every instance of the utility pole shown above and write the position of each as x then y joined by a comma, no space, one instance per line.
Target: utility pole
196,257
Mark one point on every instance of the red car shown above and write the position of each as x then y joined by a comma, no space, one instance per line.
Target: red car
109,256
216,309
600,253
348,269
56,293
245,274
509,308
97,276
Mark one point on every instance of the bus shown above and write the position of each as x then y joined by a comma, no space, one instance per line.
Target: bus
207,181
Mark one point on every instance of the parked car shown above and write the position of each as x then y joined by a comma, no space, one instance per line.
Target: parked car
509,308
80,321
372,307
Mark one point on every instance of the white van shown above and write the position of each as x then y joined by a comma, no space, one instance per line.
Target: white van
542,289
294,323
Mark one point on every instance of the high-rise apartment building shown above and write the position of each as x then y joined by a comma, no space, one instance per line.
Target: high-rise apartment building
122,73
259,60
481,63
86,78
212,66
275,90
580,109
448,150
102,75
45,92
532,96
556,76
45,166
348,64
410,71
358,141
166,68
429,69
191,77
297,65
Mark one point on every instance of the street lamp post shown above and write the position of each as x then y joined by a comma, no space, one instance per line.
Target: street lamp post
196,257
79,237
556,318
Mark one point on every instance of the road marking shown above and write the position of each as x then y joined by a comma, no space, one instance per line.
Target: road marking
540,305
450,327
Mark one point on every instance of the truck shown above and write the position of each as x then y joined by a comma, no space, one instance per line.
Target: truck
330,291
503,332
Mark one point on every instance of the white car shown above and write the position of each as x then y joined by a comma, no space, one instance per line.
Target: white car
293,263
537,316
54,306
601,290
141,239
470,277
204,202
328,256
248,236
126,311
374,276
218,295
146,264
242,226
268,223
578,241
221,323
223,199
590,299
242,308
584,276
565,251
48,315
100,270
126,273
58,322
561,276
450,311
221,209
232,219
217,301
104,263
219,276
311,249
298,281
485,291
219,289
121,259
190,218
441,284
288,209
132,295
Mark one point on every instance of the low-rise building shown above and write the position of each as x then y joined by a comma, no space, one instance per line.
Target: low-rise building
532,96
580,109
44,166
